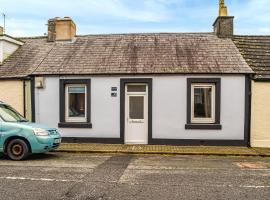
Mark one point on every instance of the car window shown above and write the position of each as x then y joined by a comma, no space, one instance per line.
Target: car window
8,114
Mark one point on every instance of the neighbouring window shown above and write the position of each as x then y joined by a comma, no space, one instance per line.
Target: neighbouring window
75,103
203,103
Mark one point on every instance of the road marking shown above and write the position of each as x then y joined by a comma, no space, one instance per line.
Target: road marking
242,186
63,180
251,165
39,179
256,186
210,185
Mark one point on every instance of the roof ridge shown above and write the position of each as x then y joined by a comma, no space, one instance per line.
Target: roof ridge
105,34
32,37
147,33
251,36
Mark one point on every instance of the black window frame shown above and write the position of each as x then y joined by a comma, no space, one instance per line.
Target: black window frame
216,125
62,103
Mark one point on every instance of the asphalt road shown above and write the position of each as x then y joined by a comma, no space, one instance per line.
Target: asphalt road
103,176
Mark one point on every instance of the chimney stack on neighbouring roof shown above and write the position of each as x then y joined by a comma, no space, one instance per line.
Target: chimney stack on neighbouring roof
61,29
223,26
1,30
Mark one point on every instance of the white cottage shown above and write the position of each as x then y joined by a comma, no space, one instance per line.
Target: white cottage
156,88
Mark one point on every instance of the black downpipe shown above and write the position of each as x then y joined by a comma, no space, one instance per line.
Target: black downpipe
24,101
33,110
248,97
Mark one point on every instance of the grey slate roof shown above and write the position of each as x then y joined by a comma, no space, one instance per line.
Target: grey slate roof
256,51
154,53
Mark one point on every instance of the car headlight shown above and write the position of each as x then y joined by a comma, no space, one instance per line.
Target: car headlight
40,132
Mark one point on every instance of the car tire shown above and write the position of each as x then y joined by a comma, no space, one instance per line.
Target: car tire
17,149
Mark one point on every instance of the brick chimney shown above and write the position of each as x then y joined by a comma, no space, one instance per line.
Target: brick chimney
223,26
61,29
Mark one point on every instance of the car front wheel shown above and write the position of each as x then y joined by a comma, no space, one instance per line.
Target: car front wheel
17,149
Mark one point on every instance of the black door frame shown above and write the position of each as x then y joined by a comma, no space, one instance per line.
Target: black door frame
123,82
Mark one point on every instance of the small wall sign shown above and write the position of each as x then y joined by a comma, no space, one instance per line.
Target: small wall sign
113,89
113,94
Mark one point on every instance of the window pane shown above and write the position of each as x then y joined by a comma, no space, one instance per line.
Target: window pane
136,107
202,102
76,89
136,88
76,101
8,114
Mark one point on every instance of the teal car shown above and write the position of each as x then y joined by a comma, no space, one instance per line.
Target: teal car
20,138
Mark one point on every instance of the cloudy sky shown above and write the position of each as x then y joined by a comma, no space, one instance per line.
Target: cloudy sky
29,17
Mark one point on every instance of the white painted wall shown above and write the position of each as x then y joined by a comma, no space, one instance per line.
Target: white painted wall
8,46
169,108
8,49
105,110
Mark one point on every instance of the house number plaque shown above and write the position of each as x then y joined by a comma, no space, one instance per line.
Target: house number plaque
113,91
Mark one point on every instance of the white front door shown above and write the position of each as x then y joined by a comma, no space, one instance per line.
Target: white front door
136,114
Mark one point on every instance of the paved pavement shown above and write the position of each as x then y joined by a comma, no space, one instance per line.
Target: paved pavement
163,149
129,176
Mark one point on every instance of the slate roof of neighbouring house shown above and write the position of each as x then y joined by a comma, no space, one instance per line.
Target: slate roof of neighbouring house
256,51
153,53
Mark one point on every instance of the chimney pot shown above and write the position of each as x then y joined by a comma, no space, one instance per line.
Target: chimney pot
222,8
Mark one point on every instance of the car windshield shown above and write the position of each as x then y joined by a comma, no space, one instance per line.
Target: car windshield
8,114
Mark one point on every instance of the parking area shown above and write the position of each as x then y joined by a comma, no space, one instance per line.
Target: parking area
117,176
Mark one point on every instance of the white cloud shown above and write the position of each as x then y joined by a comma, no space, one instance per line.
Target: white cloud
139,10
29,17
150,11
22,27
255,10
252,16
264,30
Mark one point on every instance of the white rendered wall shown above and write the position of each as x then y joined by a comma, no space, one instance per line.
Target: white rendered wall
105,110
169,108
6,49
